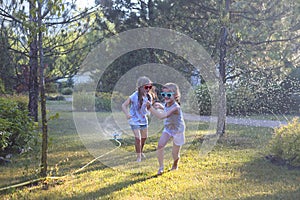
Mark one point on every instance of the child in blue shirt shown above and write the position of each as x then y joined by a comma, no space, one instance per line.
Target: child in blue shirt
138,111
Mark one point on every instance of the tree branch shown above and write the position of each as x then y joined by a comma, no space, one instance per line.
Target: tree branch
269,41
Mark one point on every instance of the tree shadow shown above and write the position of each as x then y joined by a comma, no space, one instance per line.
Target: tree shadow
102,192
261,171
279,195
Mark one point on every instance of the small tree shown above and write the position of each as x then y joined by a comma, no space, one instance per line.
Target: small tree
34,29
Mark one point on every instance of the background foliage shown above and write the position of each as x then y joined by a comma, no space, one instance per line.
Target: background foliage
16,127
285,145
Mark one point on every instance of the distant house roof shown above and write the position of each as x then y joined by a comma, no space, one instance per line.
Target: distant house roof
79,78
82,78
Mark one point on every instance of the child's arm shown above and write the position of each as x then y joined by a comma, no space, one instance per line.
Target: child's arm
158,105
162,115
125,108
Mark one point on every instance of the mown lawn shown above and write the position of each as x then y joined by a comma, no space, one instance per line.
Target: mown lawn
234,169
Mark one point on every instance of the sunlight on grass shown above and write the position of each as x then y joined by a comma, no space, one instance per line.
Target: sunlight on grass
235,169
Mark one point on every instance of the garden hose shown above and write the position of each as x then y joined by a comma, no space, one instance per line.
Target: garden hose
59,177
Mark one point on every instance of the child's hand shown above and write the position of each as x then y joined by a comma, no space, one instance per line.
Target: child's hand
128,116
157,105
148,105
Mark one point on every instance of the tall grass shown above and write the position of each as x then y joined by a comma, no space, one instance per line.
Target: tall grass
235,169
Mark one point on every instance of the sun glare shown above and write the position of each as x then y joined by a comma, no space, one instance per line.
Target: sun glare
85,3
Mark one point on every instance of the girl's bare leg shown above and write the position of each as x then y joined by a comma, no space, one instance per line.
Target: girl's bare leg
137,144
160,150
176,156
144,135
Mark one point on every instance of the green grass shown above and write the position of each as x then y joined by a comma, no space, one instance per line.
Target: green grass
235,169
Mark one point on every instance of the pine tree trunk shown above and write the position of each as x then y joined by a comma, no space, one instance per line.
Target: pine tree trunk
33,85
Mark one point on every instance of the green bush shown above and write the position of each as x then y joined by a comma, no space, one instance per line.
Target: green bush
2,87
286,143
102,101
83,101
67,91
51,87
16,127
4,135
107,102
239,100
199,100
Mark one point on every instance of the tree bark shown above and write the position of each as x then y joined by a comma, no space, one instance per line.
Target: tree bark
33,85
43,97
221,124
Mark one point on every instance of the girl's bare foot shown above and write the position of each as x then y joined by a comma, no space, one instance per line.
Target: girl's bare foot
160,171
175,164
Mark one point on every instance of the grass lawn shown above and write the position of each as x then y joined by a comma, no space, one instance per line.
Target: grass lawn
234,169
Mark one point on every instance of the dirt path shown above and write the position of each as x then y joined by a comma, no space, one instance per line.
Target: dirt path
235,120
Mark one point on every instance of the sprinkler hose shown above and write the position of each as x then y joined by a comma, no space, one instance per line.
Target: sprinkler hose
59,177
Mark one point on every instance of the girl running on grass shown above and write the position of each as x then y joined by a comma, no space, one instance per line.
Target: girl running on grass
174,126
138,111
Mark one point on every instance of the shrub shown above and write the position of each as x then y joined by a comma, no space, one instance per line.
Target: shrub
239,100
107,102
83,101
199,101
4,135
102,101
20,100
2,87
51,87
117,99
67,91
285,145
16,128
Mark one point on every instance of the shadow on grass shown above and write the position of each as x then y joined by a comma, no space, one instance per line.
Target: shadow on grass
279,195
106,191
96,166
278,182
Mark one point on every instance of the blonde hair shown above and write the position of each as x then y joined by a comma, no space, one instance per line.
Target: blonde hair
143,80
174,88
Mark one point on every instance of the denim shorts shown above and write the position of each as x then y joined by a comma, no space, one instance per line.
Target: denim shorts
141,127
